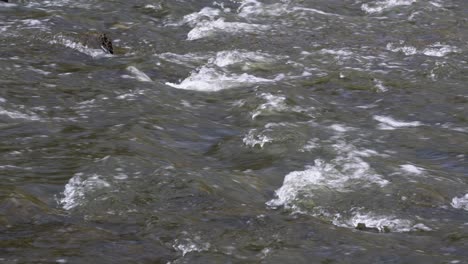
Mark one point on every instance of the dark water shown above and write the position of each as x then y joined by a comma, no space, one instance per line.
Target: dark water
234,132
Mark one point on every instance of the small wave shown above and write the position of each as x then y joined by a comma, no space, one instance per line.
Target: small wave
380,6
340,128
19,115
59,3
33,23
139,75
381,223
253,139
208,79
340,53
275,104
339,175
253,8
246,58
62,40
206,13
77,188
388,123
189,59
409,168
208,28
460,202
188,245
208,22
434,50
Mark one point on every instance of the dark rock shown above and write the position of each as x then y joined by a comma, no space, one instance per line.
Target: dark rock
363,227
97,40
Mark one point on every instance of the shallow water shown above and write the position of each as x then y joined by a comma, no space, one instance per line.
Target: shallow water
234,132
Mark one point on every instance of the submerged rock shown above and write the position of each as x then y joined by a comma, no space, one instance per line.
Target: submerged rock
18,208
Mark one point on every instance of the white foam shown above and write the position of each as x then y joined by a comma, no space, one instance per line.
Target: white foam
274,103
32,23
407,50
139,75
205,29
439,50
12,167
95,53
460,202
191,245
207,22
338,53
208,79
380,6
310,145
388,123
253,139
340,128
381,223
39,71
253,8
409,168
340,175
76,189
7,4
434,50
226,58
380,86
207,13
68,3
18,115
458,129
131,95
189,59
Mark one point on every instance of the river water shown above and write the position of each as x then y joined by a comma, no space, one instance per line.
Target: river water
247,131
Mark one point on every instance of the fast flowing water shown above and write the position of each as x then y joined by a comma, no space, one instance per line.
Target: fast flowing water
248,131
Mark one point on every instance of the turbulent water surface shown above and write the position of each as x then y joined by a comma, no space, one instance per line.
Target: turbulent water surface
246,131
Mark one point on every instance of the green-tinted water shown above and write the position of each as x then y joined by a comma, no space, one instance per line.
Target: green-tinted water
234,132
